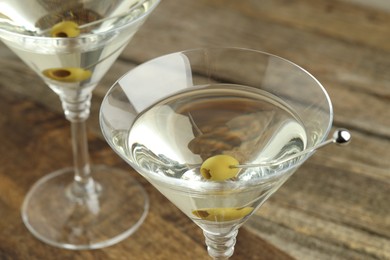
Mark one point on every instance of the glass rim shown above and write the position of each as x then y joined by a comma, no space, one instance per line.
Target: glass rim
81,38
184,185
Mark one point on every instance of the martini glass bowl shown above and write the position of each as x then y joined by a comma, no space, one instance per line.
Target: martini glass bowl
169,116
71,45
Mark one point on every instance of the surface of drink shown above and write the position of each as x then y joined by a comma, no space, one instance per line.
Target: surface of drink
80,61
169,140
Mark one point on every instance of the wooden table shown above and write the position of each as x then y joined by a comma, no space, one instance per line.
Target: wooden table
336,206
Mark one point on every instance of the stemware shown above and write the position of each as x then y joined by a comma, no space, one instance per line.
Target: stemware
71,45
174,113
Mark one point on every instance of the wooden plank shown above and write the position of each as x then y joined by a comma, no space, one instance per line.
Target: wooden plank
334,19
333,205
328,210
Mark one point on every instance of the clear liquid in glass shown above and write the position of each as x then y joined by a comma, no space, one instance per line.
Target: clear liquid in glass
173,137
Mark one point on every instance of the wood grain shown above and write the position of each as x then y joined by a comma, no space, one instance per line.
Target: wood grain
336,205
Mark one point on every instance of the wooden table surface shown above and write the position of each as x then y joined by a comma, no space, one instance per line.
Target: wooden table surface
336,206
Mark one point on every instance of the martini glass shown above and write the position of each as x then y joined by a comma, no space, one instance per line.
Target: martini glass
169,116
71,45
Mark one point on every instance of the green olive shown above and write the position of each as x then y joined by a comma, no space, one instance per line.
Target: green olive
218,168
65,29
222,214
68,74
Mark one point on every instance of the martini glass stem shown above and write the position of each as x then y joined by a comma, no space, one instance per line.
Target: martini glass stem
220,246
77,112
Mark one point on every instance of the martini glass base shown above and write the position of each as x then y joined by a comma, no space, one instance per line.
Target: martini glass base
106,218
